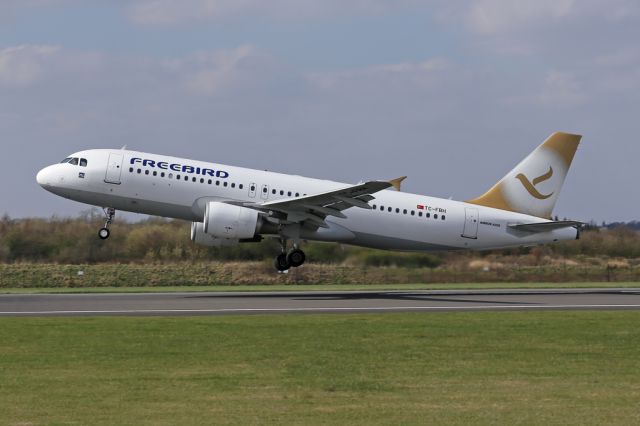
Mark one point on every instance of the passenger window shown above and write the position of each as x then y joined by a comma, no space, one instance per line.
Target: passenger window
289,194
209,182
130,169
233,185
281,192
374,206
201,180
186,177
381,207
240,186
442,217
162,174
435,216
83,162
420,214
273,191
146,172
217,183
74,161
178,177
170,176
397,210
404,211
297,194
413,213
225,184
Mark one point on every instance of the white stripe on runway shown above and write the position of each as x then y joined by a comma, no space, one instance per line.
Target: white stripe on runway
319,309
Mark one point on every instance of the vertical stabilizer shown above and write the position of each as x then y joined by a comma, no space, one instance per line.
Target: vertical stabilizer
533,186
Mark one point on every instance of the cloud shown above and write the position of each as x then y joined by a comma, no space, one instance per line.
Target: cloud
562,88
210,73
494,16
172,12
24,65
410,72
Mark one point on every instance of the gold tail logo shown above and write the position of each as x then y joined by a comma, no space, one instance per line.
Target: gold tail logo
530,187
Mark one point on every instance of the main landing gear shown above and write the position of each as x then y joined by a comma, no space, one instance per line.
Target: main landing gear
294,258
104,232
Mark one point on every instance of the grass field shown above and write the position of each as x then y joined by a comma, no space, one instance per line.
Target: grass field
453,368
37,275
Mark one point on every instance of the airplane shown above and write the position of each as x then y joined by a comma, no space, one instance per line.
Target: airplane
231,205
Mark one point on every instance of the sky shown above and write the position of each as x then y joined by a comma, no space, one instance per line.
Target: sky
451,94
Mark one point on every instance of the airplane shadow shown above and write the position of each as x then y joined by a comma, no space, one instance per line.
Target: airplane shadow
369,296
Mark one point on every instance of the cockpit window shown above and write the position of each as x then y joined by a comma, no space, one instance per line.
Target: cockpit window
74,161
83,162
66,160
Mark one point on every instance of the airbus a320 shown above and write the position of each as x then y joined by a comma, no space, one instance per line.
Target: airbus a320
232,205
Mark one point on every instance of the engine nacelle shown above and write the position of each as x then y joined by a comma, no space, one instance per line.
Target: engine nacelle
198,236
227,221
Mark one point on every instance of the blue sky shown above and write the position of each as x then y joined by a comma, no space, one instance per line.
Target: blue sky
452,94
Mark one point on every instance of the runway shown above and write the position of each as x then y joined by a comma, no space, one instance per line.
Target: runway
231,303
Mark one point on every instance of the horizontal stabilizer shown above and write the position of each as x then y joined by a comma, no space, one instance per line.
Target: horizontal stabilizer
546,226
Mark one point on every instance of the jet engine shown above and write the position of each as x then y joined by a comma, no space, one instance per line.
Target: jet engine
198,236
225,224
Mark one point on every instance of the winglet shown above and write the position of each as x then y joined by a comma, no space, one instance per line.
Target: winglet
397,182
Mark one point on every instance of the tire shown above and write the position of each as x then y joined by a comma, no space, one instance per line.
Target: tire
104,233
281,263
296,257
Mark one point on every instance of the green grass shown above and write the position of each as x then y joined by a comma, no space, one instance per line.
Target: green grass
317,287
446,368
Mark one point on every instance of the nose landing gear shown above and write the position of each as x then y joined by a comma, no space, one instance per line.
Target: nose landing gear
104,232
293,258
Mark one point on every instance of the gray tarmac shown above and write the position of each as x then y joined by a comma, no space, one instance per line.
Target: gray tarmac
232,303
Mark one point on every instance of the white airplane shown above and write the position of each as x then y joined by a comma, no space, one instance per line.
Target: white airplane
229,205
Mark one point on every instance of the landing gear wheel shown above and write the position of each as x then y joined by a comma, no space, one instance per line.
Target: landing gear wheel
281,263
296,257
104,233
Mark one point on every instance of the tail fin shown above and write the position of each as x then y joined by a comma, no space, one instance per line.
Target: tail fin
532,187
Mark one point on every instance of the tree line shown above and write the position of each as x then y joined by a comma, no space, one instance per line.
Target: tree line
75,241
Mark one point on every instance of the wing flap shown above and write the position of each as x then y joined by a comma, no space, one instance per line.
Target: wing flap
546,226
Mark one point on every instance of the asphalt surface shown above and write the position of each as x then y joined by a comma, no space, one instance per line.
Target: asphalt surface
316,302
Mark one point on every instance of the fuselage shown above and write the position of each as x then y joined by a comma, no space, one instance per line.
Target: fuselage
181,188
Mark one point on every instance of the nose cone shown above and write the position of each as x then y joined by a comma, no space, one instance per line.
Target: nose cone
45,177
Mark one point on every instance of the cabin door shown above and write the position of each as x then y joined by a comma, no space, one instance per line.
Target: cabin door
114,168
470,223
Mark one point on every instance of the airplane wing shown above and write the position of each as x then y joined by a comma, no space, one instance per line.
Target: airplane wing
314,208
546,226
